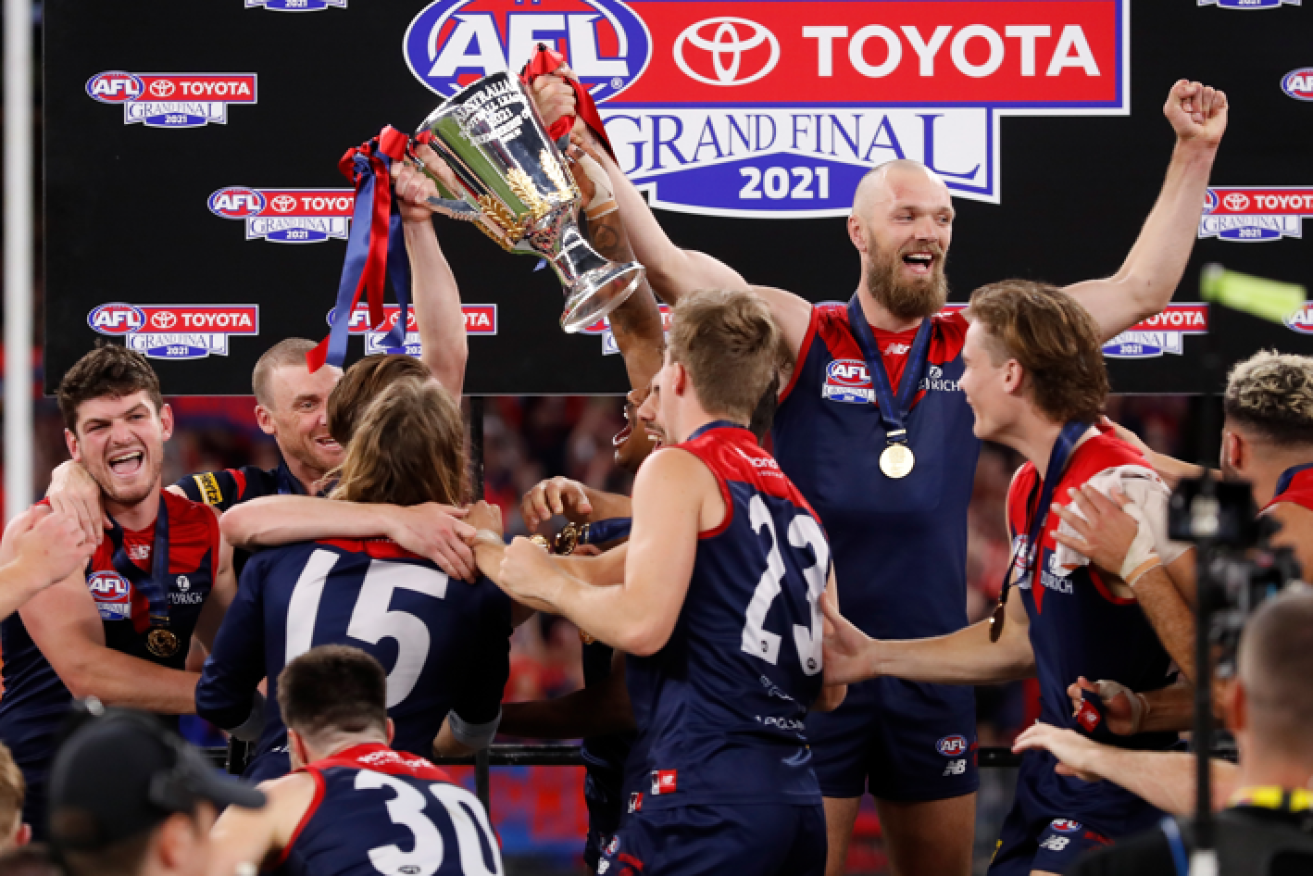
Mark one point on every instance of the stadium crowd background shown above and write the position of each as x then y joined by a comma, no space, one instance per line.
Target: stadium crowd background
539,811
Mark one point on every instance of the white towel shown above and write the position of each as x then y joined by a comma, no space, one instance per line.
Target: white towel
1149,496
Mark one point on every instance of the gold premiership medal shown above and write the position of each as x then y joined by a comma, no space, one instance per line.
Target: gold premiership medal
897,461
567,540
161,642
541,541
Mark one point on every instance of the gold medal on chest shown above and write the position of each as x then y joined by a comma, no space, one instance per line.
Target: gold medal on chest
897,461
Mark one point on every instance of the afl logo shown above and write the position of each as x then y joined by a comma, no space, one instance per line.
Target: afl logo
726,51
236,203
451,43
1301,320
1065,825
115,87
108,587
847,372
116,319
952,746
1299,83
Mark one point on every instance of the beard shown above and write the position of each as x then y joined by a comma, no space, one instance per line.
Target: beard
905,298
128,495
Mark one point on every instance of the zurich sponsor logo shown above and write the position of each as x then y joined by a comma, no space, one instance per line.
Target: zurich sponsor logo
952,746
115,86
237,203
451,43
1065,825
846,381
1299,83
116,319
713,51
1301,320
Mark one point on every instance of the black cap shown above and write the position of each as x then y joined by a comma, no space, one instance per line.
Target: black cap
124,773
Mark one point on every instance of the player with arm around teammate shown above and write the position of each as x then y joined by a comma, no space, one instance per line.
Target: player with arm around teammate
354,806
725,568
116,627
1035,380
446,647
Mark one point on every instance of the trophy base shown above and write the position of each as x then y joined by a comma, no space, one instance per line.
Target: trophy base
598,292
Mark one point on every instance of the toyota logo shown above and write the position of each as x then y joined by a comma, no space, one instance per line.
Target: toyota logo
284,203
161,88
1236,201
164,319
722,38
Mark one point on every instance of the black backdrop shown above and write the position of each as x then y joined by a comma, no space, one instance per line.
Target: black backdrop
127,216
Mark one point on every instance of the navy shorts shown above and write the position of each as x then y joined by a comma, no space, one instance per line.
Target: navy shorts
761,839
900,740
1052,847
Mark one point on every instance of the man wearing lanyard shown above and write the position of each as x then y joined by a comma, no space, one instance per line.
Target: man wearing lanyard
120,628
1035,380
292,403
892,481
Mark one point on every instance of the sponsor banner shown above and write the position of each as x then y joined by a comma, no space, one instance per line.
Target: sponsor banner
480,319
173,100
295,5
1255,215
603,327
1159,334
1249,4
776,109
1298,83
176,331
287,215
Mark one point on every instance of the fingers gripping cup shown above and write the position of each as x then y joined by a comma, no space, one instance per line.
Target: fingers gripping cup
515,186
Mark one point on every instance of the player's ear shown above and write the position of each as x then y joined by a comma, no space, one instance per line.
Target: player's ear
166,421
392,730
855,233
264,419
1013,376
1235,706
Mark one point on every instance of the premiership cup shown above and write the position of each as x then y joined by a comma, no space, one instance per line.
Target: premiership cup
516,187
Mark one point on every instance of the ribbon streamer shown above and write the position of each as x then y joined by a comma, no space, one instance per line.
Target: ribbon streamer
376,249
544,62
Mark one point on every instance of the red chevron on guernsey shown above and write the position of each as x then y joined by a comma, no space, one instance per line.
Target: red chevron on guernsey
173,100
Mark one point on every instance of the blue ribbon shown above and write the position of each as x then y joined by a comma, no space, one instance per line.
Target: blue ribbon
603,531
155,585
1062,448
893,410
715,424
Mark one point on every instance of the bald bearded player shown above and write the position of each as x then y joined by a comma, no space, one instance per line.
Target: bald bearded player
877,378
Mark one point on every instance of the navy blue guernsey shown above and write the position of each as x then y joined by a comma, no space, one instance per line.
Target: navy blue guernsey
1079,626
233,486
720,707
899,545
445,644
36,701
376,811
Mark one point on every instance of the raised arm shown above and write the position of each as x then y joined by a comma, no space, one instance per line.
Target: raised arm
429,530
1153,268
438,313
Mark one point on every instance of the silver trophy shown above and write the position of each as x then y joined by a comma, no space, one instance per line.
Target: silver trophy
516,187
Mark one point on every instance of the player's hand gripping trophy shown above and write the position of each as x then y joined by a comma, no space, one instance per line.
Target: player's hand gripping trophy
513,182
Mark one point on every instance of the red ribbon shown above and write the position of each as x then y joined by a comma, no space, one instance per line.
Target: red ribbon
545,62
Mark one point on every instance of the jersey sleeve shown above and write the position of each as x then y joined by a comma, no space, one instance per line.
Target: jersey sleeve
477,710
236,665
221,489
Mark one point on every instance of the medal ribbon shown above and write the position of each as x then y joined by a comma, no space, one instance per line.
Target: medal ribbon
893,411
1283,482
602,531
155,585
1062,448
376,248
